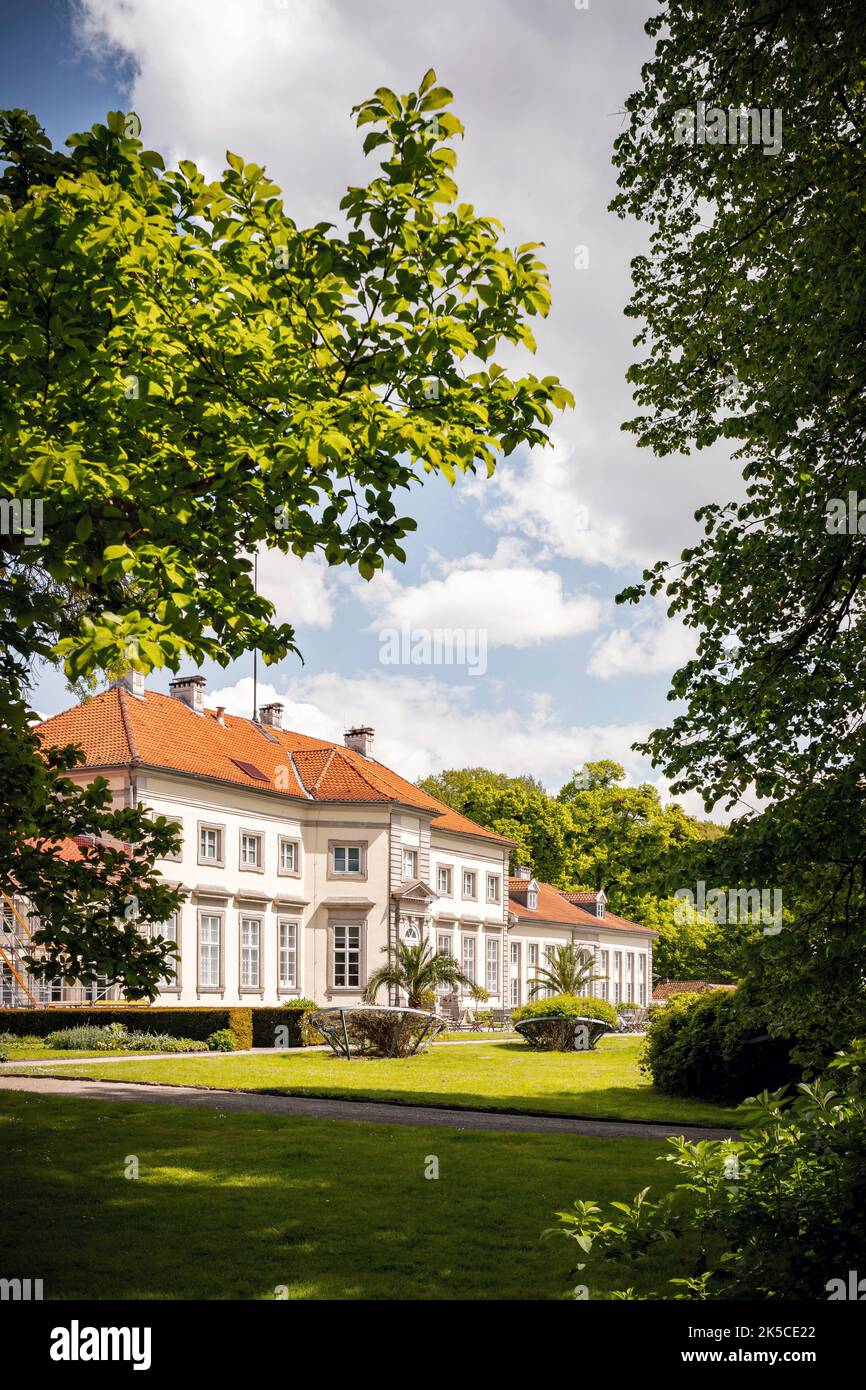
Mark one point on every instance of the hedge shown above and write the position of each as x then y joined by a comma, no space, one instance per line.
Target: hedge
267,1020
710,1046
567,1006
179,1023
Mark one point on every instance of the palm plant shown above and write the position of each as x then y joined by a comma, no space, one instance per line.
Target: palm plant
569,971
416,969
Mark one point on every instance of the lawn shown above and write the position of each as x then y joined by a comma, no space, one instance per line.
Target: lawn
490,1075
233,1206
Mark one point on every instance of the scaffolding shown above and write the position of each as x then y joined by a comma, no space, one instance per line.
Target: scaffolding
16,942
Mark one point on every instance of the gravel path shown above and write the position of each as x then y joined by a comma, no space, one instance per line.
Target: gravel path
359,1111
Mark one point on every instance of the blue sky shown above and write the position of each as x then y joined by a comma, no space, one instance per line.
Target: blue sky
535,556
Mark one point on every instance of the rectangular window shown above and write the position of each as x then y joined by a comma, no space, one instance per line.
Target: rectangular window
515,953
443,943
515,991
209,945
493,888
288,962
251,850
289,857
617,977
210,844
492,974
410,863
642,993
604,983
347,957
443,881
251,936
469,958
469,881
532,955
346,859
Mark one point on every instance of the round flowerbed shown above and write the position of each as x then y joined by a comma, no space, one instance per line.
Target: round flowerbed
565,1023
377,1030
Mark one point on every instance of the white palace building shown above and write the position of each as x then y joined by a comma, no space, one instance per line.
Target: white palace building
302,859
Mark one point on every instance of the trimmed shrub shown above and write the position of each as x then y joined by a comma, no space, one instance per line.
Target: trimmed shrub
382,1032
222,1041
87,1039
116,1038
568,1006
711,1046
293,1016
196,1023
555,1024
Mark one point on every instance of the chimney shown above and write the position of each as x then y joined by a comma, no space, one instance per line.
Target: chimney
133,683
360,739
271,714
524,871
190,691
221,715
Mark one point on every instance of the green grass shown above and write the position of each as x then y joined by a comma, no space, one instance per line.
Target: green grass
232,1206
504,1074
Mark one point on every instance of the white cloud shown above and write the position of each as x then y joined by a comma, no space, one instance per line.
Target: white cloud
423,725
516,602
302,590
654,644
547,499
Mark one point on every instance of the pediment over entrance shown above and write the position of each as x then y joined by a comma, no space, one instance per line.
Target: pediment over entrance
414,892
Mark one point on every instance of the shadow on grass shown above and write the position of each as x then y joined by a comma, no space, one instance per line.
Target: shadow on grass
240,1206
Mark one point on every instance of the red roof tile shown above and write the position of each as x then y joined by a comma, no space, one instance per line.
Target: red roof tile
553,907
117,729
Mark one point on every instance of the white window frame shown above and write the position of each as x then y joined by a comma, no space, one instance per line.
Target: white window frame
446,949
342,851
469,957
410,862
443,872
472,895
347,942
491,965
217,860
288,934
210,950
250,942
289,842
493,882
255,865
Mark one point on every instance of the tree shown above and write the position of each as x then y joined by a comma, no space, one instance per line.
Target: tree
570,970
622,839
187,375
751,300
751,254
516,807
415,970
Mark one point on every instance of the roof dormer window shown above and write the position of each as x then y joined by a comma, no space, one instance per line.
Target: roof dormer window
532,899
599,907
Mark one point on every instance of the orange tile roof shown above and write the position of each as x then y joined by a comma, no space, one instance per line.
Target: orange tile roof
117,729
553,906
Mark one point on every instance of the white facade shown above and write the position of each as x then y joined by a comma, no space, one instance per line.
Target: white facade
305,894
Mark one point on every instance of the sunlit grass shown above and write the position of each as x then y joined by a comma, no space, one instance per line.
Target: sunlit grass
236,1206
495,1074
